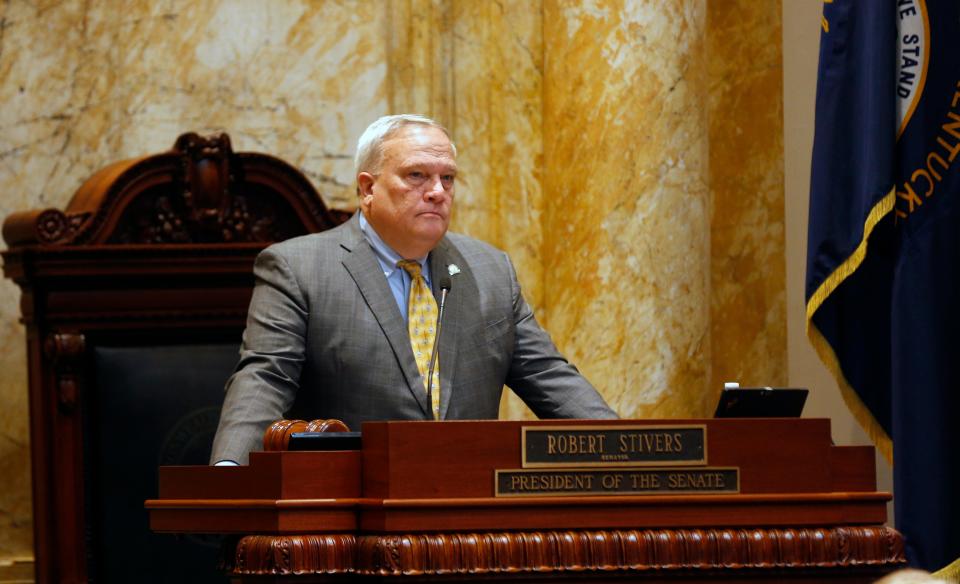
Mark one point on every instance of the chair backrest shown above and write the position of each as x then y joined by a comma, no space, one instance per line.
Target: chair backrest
134,299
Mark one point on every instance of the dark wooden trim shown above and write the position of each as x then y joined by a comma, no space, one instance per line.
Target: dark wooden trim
629,553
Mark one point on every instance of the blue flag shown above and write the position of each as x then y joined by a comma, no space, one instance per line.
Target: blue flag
883,256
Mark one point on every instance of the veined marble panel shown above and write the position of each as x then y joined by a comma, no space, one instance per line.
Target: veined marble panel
748,316
626,237
477,68
498,124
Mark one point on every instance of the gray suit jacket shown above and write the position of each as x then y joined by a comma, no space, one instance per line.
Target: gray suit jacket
325,339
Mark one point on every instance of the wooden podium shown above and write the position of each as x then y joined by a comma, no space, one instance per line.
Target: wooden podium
573,501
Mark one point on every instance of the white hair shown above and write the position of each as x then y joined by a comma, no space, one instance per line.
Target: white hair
370,145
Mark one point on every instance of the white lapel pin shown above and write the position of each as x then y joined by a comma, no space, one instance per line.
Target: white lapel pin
453,269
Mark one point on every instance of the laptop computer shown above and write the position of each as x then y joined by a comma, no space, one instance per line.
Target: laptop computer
761,402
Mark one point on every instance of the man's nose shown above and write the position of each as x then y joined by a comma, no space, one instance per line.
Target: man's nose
435,188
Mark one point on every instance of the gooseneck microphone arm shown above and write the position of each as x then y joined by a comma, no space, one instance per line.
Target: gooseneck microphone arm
445,285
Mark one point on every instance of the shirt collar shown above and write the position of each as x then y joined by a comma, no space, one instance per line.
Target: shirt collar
385,255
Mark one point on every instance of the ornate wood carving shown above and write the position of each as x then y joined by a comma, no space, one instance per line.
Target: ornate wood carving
300,554
575,551
209,205
277,436
52,225
201,191
65,351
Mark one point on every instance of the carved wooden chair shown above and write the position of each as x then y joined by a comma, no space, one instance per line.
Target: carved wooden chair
134,298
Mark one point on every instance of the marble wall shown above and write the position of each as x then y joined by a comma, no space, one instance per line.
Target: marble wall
627,153
746,179
626,249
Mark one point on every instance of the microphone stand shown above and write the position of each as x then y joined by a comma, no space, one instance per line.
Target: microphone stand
445,285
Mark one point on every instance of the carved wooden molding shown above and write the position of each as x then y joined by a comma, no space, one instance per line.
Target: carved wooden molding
629,549
557,551
301,554
65,351
277,436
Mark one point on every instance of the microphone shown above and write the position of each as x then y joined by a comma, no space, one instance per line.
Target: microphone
445,285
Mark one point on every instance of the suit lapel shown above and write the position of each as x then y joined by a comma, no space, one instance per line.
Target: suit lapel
440,259
362,264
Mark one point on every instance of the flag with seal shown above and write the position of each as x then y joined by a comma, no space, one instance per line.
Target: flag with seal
883,249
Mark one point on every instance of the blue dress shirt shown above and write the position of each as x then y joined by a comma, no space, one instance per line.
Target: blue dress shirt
397,278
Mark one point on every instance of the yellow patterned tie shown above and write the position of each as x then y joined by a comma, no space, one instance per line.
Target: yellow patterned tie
421,324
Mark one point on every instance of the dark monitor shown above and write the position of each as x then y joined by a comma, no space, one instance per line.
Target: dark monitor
324,441
761,402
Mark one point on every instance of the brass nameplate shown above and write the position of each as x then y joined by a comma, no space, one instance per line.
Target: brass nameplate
612,446
644,481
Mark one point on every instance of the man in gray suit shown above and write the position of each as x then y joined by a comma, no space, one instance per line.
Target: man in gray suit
327,332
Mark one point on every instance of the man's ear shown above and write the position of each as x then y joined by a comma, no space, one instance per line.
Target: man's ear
365,182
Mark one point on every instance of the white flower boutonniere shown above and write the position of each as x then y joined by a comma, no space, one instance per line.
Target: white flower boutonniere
453,269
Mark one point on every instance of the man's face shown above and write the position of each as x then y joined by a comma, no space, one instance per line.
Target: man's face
408,200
